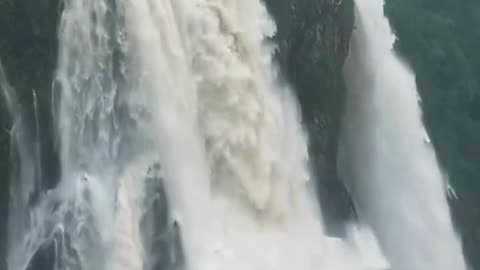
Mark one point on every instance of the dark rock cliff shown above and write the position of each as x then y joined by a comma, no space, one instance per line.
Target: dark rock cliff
28,53
313,38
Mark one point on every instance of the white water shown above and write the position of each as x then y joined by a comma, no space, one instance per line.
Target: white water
188,84
230,140
386,155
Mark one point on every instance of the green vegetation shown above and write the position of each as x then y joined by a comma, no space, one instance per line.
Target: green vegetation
440,40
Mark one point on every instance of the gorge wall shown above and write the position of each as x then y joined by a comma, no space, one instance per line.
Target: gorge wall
28,53
313,38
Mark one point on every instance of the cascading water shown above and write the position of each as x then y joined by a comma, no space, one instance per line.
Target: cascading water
386,155
174,100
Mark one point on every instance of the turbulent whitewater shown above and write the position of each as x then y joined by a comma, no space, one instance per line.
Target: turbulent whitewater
386,155
179,148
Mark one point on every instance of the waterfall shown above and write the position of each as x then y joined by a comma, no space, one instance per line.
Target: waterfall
386,154
179,149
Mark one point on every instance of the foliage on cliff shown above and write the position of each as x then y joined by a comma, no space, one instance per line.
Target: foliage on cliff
440,40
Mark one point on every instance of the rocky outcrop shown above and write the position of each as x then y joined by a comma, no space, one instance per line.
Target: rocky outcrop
313,38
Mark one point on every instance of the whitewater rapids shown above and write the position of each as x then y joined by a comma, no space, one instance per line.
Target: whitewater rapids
187,89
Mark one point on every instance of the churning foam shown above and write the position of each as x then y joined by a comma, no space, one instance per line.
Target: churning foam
189,83
249,208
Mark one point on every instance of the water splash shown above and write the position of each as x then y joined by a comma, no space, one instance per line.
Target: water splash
185,87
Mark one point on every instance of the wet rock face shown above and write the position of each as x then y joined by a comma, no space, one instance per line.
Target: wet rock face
160,234
313,38
44,258
28,53
55,253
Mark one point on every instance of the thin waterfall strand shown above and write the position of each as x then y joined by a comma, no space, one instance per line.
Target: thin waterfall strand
386,155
